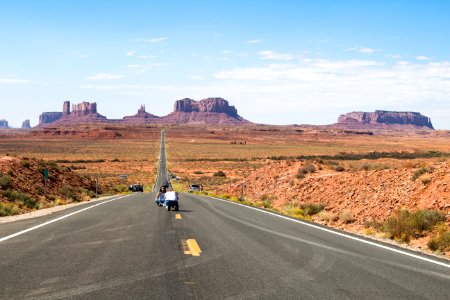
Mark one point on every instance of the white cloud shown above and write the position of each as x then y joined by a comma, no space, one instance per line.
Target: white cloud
147,56
104,76
268,54
393,56
336,86
422,57
12,80
82,56
308,70
100,87
153,40
364,50
134,66
255,41
130,53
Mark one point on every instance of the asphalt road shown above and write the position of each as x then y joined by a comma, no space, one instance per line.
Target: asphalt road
129,248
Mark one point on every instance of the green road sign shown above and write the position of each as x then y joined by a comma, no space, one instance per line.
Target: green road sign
45,172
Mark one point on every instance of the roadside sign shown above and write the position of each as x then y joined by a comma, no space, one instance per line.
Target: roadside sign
123,176
45,173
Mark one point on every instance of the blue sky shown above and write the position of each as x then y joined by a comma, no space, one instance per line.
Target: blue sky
278,62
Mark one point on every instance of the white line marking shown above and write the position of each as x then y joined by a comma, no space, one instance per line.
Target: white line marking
57,219
339,233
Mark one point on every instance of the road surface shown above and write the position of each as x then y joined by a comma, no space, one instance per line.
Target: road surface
129,248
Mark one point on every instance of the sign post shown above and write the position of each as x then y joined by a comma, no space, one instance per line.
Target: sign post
243,188
45,173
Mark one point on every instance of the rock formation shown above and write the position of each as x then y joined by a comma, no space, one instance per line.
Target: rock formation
142,117
83,109
355,119
186,111
66,108
4,124
83,112
206,111
213,105
49,117
26,124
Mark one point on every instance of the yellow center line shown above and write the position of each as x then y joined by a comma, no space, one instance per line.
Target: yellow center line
178,216
193,247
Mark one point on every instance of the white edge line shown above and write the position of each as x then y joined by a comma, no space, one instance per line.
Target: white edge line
57,219
339,233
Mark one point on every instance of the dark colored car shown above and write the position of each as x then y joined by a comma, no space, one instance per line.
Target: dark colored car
194,188
136,188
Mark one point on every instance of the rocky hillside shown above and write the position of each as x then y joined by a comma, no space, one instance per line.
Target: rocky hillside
23,189
355,198
372,194
384,117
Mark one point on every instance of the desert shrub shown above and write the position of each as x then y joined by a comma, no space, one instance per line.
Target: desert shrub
426,180
339,168
442,240
406,224
219,174
115,160
120,188
87,193
365,167
234,199
420,172
369,231
312,209
309,168
426,219
8,209
68,192
17,196
5,182
266,201
226,196
198,172
328,216
39,188
295,212
346,216
300,175
331,163
25,163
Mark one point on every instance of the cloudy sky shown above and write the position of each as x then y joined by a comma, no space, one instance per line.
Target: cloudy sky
278,62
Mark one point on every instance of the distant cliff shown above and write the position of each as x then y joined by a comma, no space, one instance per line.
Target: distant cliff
4,124
385,117
49,117
26,124
206,111
83,112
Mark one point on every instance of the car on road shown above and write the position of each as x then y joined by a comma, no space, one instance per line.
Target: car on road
194,188
136,188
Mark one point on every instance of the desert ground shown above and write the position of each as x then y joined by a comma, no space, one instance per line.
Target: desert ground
367,182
